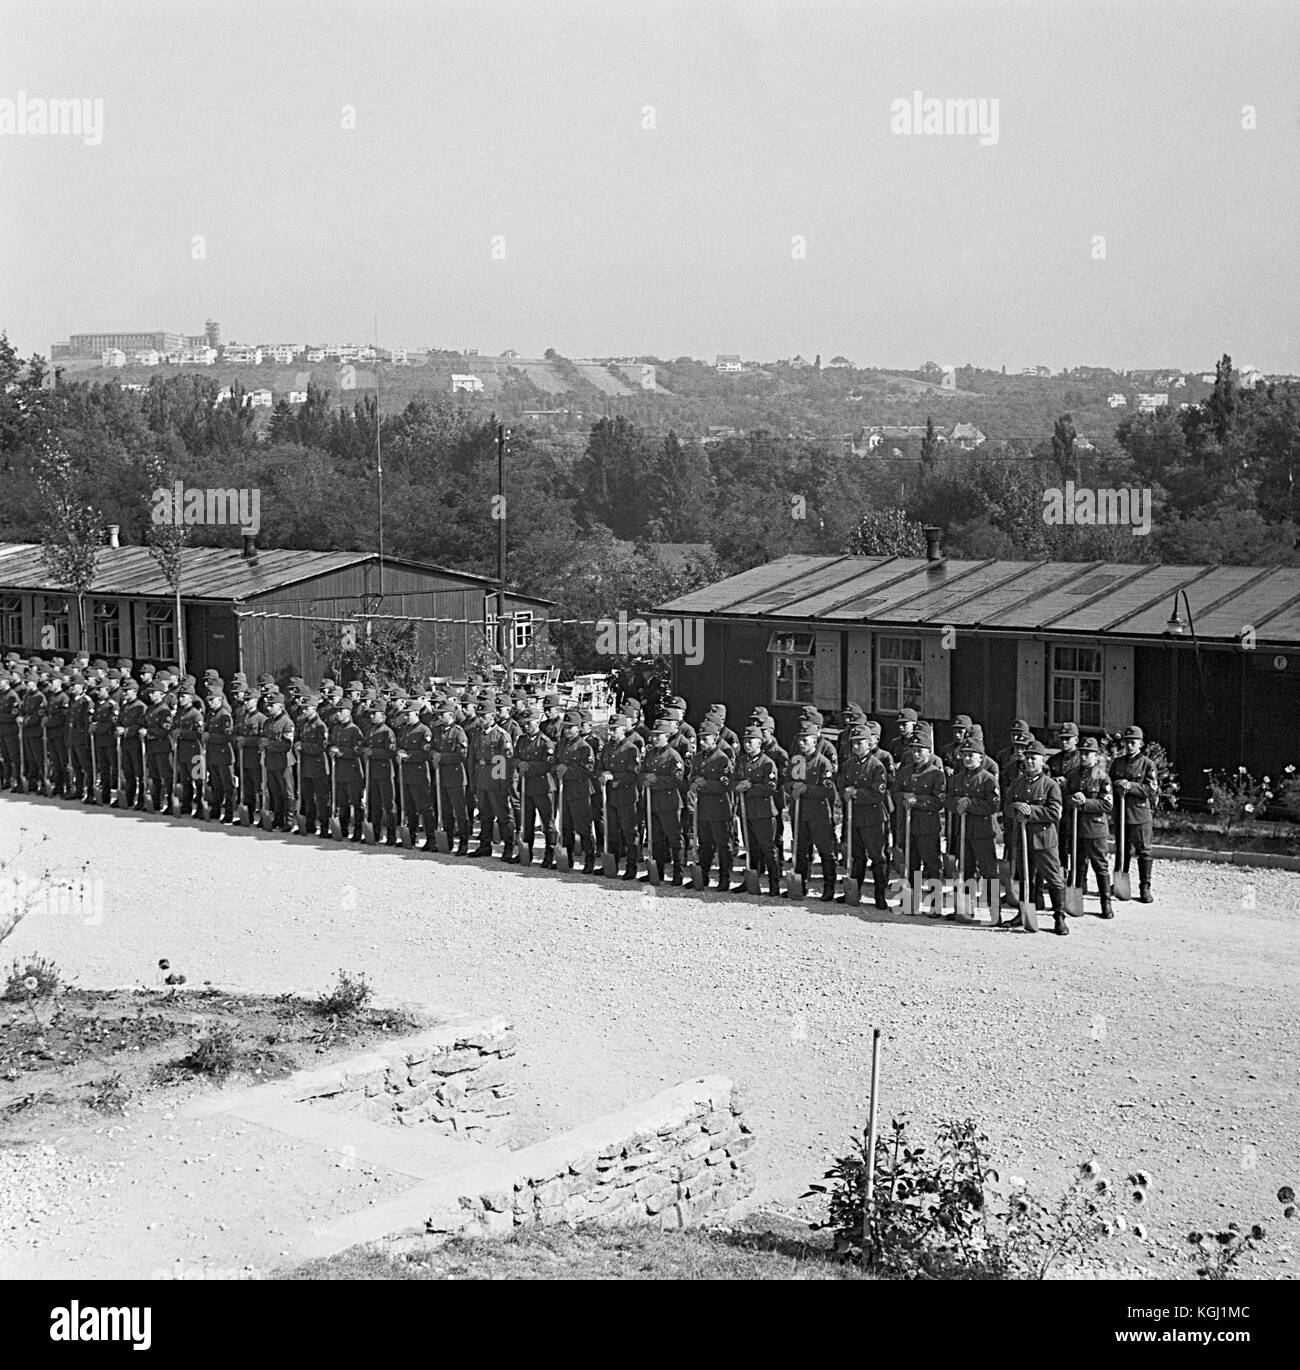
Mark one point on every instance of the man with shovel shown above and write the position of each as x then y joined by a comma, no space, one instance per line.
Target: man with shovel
1035,805
451,756
345,742
620,765
1137,785
575,765
973,795
864,784
1089,800
663,773
757,781
711,774
810,779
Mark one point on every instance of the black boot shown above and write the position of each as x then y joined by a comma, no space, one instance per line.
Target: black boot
630,872
724,877
1062,928
1145,864
829,879
589,865
463,848
548,859
392,835
879,885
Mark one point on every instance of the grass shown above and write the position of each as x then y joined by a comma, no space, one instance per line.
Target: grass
769,1249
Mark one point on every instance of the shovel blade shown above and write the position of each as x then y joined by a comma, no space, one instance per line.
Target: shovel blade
562,862
652,871
751,881
1120,886
368,832
607,864
404,835
336,828
268,820
1028,915
1073,901
697,875
852,892
442,841
950,866
525,854
794,886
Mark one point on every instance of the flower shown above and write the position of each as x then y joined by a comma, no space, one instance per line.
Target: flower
1257,1233
1286,1194
1139,1232
1102,1186
1138,1196
30,984
1088,1170
164,964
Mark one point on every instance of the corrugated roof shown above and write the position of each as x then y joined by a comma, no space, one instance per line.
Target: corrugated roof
1114,599
209,573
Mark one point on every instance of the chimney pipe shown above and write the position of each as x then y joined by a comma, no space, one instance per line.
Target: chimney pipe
932,549
250,548
114,530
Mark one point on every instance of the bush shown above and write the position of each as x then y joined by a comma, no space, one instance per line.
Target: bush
1235,796
349,995
39,968
213,1051
952,1216
1217,1254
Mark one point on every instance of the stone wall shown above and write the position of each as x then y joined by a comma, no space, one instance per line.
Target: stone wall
675,1161
455,1079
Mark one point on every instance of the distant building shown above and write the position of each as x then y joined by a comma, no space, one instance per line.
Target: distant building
1249,376
260,399
198,356
510,352
1037,371
283,354
949,381
316,354
94,345
799,363
146,356
224,394
966,436
470,385
1207,378
112,356
728,361
297,397
240,354
838,361
1117,401
1148,404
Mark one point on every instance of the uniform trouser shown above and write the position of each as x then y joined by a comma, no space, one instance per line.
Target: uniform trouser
134,769
870,844
158,766
9,755
622,834
277,791
347,791
57,746
380,797
187,776
498,806
761,846
715,836
539,806
417,803
106,767
1092,852
925,855
815,830
1044,861
1137,842
455,811
576,821
79,759
597,816
666,836
314,798
486,815
250,782
33,757
221,776
980,859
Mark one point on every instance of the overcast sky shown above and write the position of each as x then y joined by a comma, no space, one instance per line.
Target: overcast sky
526,119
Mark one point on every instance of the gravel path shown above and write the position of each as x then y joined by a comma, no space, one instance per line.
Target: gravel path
1165,1040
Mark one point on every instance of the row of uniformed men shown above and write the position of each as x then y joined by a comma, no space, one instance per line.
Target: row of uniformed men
519,763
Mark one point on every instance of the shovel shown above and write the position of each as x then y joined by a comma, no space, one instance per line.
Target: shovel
1028,914
94,779
961,905
607,862
910,889
442,839
563,861
1074,891
120,797
694,869
268,814
404,834
367,827
794,884
852,889
239,784
336,823
1120,887
949,856
751,870
146,784
47,784
203,775
651,865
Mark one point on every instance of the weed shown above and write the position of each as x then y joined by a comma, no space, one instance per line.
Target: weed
348,996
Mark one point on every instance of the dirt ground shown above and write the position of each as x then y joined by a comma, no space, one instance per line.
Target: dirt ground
1165,1040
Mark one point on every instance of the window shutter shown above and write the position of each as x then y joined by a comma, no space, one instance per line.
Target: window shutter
1031,676
826,672
936,702
858,688
1117,687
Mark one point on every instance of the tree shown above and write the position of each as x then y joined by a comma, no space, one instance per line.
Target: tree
1222,404
376,651
929,447
71,530
1063,452
166,542
887,533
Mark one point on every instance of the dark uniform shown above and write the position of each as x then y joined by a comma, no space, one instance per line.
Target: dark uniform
158,753
80,712
250,725
56,735
131,723
1038,826
220,757
414,752
451,748
757,780
979,789
345,742
494,754
103,733
864,786
1135,779
663,774
10,706
313,737
277,739
380,751
810,784
535,764
712,771
187,734
620,760
1089,794
921,787
575,764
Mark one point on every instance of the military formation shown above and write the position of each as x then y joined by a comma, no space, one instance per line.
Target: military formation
661,801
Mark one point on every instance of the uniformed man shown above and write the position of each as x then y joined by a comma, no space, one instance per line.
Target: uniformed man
277,745
535,762
717,713
187,734
380,753
961,731
575,767
663,773
31,715
711,778
620,767
1035,805
554,722
414,753
780,758
757,781
810,780
864,785
156,730
1021,737
104,734
249,725
345,742
80,713
920,787
973,794
1061,766
219,756
131,729
56,733
1089,795
312,738
10,706
1136,782
451,758
900,748
494,771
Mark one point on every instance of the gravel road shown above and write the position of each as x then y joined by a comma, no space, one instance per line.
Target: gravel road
1165,1040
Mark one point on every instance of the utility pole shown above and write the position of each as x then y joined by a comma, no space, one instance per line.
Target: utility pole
379,467
502,630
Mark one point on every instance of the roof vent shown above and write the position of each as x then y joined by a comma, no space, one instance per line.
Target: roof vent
250,549
113,530
933,552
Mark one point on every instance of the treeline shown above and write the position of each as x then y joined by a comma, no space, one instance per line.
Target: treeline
584,522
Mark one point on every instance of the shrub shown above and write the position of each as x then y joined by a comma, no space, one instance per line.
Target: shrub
952,1216
348,996
1235,796
108,1095
39,968
1216,1255
213,1051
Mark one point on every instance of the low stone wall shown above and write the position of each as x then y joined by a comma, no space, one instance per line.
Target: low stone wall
675,1161
455,1079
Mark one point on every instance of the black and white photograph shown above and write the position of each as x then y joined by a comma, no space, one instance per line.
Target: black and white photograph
650,642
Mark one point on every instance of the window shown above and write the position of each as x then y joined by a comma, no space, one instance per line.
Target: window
160,632
523,622
54,624
106,627
898,674
11,621
792,667
1076,686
